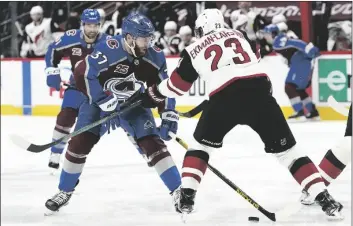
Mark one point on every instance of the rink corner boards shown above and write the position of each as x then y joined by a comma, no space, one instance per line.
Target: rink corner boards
326,113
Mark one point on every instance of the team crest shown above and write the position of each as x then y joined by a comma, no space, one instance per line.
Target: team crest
158,50
123,88
76,52
136,62
112,43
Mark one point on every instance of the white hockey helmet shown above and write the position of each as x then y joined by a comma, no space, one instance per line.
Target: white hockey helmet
170,25
36,10
278,19
185,30
208,21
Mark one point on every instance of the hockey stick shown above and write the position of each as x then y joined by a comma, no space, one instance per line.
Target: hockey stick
280,215
337,106
19,141
195,110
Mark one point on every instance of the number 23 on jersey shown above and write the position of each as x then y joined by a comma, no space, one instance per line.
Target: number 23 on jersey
240,55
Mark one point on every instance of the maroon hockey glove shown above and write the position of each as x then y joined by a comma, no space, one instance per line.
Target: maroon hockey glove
151,98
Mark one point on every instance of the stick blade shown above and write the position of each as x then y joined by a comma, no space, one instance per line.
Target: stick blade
20,141
337,106
24,144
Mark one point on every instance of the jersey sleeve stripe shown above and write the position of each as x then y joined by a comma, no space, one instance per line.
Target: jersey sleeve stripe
86,81
179,83
171,88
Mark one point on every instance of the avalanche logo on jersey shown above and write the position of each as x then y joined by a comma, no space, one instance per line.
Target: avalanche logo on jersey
123,88
158,50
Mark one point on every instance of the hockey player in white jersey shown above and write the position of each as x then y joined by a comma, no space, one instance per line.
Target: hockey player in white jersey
39,33
240,94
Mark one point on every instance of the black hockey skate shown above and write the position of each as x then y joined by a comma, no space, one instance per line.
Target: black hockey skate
297,117
186,203
313,115
331,207
59,200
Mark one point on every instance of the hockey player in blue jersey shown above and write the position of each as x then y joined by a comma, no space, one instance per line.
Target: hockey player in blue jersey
299,55
76,45
118,68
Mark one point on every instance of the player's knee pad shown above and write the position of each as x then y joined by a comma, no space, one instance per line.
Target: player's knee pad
303,94
342,150
291,90
154,148
80,146
287,157
66,117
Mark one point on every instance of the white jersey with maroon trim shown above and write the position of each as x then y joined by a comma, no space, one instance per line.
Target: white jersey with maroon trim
40,36
218,58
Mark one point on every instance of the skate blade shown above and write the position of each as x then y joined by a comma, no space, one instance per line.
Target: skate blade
337,217
53,171
315,119
183,217
49,212
296,120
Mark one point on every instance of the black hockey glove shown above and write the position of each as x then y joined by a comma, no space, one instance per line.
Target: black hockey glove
151,98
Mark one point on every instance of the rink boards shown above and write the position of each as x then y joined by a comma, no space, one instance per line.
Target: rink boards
24,90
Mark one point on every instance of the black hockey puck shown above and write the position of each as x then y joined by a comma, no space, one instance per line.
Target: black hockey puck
254,219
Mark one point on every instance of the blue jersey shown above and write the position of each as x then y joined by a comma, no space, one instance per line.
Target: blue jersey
110,68
72,45
294,50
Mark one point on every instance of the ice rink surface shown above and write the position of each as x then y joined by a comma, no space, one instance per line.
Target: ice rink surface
117,187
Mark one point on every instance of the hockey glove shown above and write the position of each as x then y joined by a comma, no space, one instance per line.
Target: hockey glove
151,98
312,51
170,120
53,77
108,106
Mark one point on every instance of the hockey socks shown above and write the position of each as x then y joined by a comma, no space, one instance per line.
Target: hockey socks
58,133
335,160
307,175
64,122
194,167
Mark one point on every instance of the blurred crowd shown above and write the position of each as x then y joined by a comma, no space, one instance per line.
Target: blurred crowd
174,25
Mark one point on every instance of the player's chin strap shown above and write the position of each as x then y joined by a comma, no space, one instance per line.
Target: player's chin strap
132,48
278,216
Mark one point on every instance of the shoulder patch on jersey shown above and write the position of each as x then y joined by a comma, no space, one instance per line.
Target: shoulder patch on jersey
71,32
158,50
112,43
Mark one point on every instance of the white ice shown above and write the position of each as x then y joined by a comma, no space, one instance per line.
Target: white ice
117,187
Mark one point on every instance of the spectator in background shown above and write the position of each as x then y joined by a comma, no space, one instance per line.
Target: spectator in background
119,15
320,23
243,19
171,40
107,26
340,36
163,13
39,34
73,22
185,34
